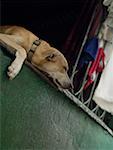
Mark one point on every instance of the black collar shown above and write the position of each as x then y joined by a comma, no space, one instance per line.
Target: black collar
33,49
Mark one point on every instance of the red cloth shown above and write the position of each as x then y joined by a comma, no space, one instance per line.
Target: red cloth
96,66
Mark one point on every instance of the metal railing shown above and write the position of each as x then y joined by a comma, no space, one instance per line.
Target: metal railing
87,104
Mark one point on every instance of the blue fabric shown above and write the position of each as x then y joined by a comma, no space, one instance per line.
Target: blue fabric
89,52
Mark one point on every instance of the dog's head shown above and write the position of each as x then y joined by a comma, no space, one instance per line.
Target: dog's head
53,63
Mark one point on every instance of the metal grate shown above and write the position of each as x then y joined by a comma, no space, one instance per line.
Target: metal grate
92,113
87,104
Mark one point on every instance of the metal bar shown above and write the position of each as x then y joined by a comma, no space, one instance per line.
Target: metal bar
87,110
84,80
84,41
92,90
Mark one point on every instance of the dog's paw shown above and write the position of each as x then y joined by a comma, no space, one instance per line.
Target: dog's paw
13,70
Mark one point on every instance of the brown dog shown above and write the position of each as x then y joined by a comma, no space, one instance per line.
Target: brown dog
44,57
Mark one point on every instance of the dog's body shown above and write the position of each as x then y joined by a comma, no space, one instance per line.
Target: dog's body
45,57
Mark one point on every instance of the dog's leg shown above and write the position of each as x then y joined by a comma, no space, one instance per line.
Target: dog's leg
8,42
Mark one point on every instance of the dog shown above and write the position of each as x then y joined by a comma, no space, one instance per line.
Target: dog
44,57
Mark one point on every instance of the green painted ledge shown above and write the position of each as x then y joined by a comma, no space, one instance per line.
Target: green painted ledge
35,116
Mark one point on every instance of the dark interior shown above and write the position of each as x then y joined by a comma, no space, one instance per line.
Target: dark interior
51,20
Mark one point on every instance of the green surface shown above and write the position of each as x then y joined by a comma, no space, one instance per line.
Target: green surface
37,117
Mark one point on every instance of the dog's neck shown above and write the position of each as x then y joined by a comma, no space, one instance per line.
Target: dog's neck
34,46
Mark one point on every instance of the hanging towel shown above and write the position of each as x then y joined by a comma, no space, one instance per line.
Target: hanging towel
103,95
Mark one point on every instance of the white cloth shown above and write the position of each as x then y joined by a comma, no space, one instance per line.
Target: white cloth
109,20
103,95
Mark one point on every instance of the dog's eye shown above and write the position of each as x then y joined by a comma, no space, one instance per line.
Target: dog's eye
65,68
50,57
